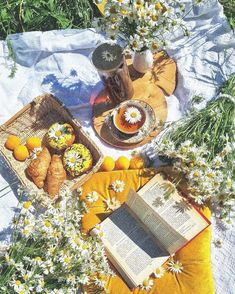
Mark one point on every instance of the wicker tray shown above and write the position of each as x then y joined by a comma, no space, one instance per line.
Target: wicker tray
34,120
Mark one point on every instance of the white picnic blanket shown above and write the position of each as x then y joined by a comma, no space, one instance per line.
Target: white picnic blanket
58,62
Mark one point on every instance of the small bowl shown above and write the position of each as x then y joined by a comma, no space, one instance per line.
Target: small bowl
119,120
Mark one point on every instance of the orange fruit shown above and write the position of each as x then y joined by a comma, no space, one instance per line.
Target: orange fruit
108,164
122,163
33,142
21,153
12,142
136,162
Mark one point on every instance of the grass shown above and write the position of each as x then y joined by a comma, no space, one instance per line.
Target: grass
42,15
229,10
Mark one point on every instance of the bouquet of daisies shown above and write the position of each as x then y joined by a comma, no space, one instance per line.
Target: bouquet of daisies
143,24
202,147
49,254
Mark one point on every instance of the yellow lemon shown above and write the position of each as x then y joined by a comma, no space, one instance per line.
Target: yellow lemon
21,153
108,164
12,142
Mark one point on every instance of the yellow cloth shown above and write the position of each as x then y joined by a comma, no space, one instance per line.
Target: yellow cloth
196,277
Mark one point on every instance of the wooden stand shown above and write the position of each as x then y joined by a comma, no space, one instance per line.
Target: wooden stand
149,87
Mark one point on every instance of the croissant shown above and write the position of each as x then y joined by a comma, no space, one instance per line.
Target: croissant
56,176
38,167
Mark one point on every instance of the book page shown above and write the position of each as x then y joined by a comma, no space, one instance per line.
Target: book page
174,221
131,247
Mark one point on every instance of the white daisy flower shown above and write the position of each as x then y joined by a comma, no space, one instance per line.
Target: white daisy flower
112,204
132,115
92,196
83,279
34,153
84,249
108,56
99,283
147,284
159,272
98,231
118,186
175,266
40,286
79,191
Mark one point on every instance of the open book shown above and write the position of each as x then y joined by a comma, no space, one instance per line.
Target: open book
142,234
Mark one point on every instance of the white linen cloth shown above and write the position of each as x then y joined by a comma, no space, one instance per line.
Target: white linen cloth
58,62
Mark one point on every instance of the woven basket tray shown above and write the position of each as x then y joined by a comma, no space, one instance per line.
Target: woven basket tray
34,120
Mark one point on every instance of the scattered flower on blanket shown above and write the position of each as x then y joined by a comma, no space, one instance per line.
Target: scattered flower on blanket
92,196
55,252
132,115
118,186
147,284
218,243
159,272
175,266
108,56
112,203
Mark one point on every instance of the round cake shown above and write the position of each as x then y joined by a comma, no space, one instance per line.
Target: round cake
77,159
60,136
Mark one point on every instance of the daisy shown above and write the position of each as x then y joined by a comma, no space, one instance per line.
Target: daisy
118,186
79,191
175,266
112,204
98,231
92,197
147,284
218,243
132,115
159,272
99,283
56,131
34,153
108,56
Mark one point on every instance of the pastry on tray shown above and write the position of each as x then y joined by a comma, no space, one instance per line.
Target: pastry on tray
60,136
38,167
56,176
77,159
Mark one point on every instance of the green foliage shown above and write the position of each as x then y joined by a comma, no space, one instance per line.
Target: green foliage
229,10
41,15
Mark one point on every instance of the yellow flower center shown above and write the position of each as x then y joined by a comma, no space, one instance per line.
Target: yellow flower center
22,292
58,133
25,232
211,175
52,250
18,282
154,17
7,258
196,174
38,258
145,283
55,234
60,218
113,19
25,277
124,12
158,6
47,223
176,266
67,260
84,246
27,204
26,221
42,284
73,159
157,271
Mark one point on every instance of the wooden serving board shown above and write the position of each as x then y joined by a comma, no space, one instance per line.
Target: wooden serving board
150,87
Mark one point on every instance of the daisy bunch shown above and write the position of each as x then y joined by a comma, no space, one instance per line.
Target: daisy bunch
143,24
48,253
201,147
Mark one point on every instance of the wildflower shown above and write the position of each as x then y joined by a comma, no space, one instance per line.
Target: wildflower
132,115
118,186
147,285
159,272
175,266
92,197
112,203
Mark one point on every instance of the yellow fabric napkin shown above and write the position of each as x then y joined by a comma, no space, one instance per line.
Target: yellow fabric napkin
196,277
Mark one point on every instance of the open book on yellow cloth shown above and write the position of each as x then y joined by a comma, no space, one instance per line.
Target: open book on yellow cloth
195,256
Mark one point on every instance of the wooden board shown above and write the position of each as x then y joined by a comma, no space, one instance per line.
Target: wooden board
149,87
